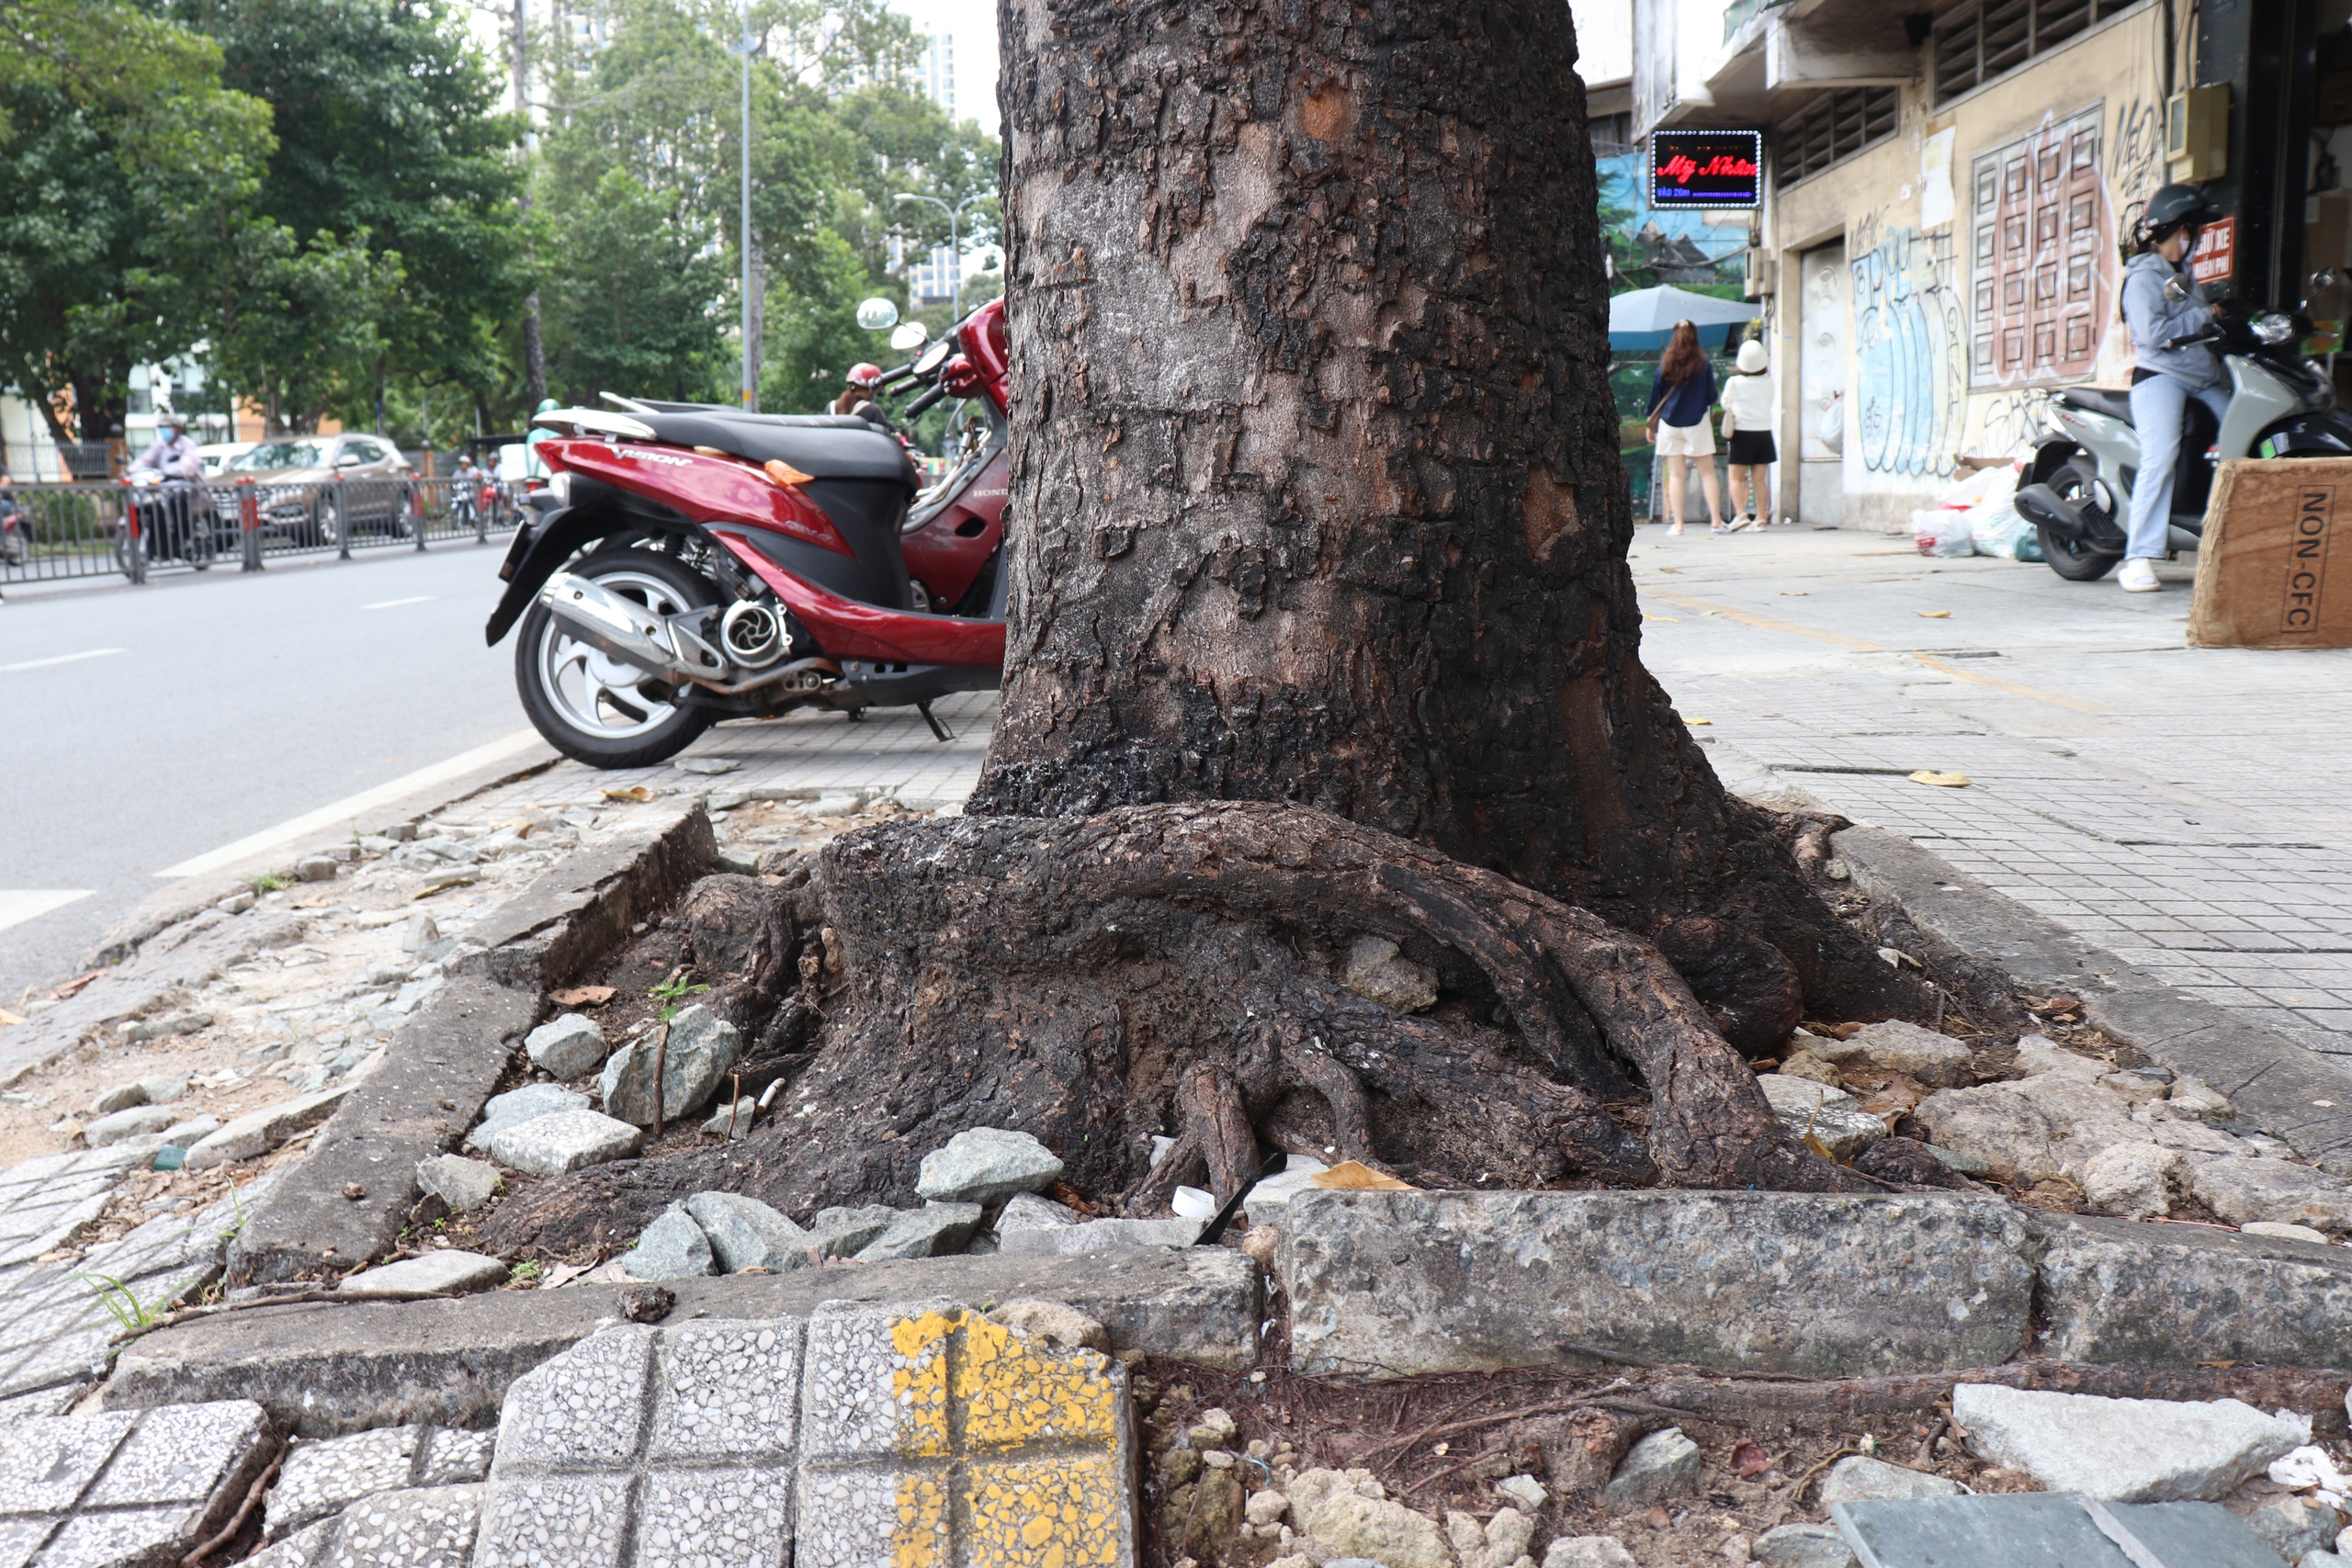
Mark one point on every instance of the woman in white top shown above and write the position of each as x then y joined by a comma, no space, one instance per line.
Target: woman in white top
1747,434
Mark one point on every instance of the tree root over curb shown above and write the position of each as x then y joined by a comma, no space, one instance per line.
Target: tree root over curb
1180,969
1097,979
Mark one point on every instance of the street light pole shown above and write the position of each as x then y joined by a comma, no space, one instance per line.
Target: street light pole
751,371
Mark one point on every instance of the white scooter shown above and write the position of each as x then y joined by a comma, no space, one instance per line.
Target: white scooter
2077,493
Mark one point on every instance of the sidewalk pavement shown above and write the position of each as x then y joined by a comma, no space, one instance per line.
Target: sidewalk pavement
2184,808
805,755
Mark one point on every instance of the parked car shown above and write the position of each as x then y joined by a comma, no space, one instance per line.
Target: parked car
218,454
300,497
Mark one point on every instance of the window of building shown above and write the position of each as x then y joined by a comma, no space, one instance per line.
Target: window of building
2042,256
1833,127
1978,43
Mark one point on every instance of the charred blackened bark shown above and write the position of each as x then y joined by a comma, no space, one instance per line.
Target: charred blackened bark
1316,463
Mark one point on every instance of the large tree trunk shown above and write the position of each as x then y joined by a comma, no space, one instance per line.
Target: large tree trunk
1316,463
1322,630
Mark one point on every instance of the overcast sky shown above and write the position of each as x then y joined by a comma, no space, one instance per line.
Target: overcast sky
973,25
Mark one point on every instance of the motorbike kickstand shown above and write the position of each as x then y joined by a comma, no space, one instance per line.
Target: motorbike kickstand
932,719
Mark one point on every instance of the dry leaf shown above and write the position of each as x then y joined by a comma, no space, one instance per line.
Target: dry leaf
1351,1176
584,997
1933,614
1941,780
73,987
1794,593
1698,721
7,1018
443,885
638,793
1749,1459
1648,616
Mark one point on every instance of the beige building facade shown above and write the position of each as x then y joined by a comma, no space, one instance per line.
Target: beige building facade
1948,199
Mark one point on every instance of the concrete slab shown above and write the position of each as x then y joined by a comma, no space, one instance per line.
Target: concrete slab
324,1369
1390,1284
446,1058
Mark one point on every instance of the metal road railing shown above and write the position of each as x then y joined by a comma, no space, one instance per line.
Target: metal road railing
97,530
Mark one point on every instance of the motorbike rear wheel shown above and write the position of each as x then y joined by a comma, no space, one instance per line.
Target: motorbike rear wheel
2076,560
595,708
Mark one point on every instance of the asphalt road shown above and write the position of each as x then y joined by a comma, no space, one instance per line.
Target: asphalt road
143,727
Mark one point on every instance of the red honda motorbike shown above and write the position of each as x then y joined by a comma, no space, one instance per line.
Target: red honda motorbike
690,563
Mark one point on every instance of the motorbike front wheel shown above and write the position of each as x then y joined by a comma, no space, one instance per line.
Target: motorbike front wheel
595,708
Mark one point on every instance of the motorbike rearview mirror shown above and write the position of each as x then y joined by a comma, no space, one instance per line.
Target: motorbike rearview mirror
876,315
2176,288
912,335
2323,281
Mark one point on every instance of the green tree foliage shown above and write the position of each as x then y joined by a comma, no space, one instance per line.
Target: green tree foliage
836,134
124,167
652,336
389,135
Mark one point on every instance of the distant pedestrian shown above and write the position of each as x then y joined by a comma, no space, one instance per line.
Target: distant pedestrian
1680,398
1747,437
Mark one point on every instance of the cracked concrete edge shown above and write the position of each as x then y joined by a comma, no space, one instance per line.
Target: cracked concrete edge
445,1059
2280,1085
189,897
121,992
323,1369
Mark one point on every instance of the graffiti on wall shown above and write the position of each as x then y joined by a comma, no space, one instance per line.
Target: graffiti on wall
2012,422
1910,352
2135,160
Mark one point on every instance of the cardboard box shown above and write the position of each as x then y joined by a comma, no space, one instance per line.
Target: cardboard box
2275,570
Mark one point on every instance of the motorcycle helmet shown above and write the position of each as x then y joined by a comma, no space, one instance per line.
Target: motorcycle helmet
2173,206
866,375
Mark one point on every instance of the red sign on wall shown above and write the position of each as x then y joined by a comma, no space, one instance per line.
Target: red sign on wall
2215,259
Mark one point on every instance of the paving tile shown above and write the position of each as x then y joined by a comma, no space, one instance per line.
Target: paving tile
900,1435
181,1453
322,1478
937,1437
424,1528
46,1465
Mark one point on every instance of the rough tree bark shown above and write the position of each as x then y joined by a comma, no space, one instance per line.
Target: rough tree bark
1317,508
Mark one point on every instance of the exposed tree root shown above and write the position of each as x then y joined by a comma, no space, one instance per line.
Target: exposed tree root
1178,970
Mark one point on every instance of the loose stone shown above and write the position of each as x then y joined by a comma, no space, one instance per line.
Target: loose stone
986,1165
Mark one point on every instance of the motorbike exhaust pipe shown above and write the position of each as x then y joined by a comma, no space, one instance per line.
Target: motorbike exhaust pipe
597,616
634,635
2039,504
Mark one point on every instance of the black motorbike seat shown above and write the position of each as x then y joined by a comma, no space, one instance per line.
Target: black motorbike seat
2098,399
822,445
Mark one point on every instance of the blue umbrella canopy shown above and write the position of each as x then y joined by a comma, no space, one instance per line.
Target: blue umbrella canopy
1645,317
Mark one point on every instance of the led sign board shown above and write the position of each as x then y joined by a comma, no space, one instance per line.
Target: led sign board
1706,168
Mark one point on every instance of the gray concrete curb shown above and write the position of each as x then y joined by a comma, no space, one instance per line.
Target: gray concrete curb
2281,1086
323,1369
444,1062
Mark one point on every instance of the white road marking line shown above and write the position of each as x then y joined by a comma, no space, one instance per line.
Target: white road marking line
396,603
18,905
353,805
60,658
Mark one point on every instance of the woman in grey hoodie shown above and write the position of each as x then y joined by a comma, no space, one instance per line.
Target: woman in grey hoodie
2164,377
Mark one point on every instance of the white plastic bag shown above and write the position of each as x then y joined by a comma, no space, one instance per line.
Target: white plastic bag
1998,530
1942,532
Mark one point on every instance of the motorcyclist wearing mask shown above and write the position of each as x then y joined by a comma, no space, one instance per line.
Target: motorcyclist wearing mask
173,454
2164,377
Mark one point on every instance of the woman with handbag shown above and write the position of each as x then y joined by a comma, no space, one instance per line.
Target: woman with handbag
1680,397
